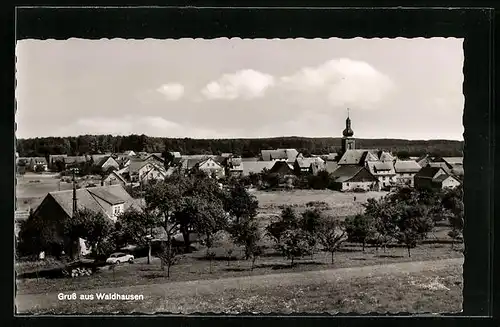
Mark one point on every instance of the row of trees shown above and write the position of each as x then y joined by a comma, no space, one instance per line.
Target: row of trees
92,144
267,180
406,217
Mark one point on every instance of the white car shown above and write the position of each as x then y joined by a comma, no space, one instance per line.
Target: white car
119,257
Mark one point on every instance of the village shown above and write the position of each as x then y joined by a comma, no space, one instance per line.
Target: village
280,182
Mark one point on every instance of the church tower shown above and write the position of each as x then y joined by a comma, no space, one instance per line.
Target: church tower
348,142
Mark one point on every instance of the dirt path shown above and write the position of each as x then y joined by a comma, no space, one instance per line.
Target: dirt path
28,302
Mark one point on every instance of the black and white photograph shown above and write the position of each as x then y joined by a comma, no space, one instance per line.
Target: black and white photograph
234,175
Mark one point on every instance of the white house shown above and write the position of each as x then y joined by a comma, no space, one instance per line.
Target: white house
383,171
406,171
210,167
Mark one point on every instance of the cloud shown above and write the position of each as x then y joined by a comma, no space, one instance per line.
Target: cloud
246,84
172,91
132,124
344,82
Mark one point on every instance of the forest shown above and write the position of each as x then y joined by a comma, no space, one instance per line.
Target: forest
94,144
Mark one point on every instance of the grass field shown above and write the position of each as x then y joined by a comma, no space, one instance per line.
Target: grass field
426,287
340,204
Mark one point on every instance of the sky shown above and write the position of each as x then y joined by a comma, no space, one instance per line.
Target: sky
241,88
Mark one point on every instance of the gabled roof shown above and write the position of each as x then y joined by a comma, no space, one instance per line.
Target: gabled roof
86,198
440,165
377,166
385,156
200,163
105,195
103,160
190,163
118,175
358,157
307,162
331,166
75,159
346,172
226,154
406,166
429,172
279,154
452,161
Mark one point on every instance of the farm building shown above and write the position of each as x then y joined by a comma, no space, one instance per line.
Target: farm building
308,165
353,177
435,177
56,207
282,168
406,171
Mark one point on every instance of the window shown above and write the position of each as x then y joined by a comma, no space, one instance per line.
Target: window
116,210
347,184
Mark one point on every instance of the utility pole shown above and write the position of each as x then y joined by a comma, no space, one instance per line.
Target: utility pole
74,171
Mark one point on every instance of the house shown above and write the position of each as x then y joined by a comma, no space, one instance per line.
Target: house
53,158
406,171
72,161
358,157
114,178
308,165
385,156
279,154
255,167
147,171
38,164
156,158
106,163
353,177
129,153
383,171
282,168
455,164
210,167
234,166
435,177
57,207
176,158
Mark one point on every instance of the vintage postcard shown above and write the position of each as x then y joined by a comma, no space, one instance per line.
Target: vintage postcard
239,175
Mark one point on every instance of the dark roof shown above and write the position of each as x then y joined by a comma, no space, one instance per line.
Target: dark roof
105,195
428,172
102,161
256,166
345,172
86,198
75,159
358,157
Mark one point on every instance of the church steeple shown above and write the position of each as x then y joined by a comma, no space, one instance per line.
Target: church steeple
348,132
348,142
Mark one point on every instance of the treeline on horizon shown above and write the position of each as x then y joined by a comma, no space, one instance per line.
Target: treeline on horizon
95,144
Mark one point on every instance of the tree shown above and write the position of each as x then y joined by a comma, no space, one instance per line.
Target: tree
136,226
413,225
331,235
293,244
240,204
452,202
360,228
245,233
168,256
385,218
286,221
310,222
93,227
